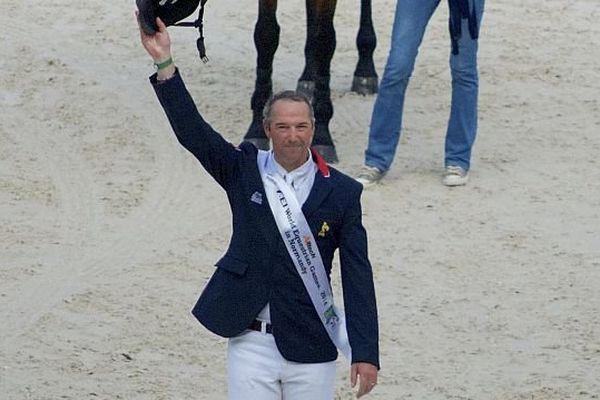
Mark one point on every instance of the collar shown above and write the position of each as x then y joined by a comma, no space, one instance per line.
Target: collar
271,165
321,163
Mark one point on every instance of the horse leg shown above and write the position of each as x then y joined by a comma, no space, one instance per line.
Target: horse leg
306,83
266,40
324,46
365,76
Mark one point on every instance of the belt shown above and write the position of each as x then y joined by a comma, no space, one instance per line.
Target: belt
261,326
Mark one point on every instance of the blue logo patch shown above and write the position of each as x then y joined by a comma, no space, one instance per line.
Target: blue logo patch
256,197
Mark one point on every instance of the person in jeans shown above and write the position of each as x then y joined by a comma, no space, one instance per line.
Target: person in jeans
411,19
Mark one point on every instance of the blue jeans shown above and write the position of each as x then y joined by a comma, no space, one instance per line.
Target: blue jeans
411,19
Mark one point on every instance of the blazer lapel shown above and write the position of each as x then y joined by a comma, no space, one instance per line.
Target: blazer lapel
319,192
262,216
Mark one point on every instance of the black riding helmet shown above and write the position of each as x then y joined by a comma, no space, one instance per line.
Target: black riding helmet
169,11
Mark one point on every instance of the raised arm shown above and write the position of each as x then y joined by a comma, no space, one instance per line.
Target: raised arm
217,156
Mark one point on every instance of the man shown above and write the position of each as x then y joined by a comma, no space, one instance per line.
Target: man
280,346
412,17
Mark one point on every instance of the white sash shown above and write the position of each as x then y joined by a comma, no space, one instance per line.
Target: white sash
303,250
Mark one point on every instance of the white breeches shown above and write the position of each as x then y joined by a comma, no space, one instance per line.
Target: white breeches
256,370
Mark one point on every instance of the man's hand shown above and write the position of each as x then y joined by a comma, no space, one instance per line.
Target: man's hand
158,46
366,375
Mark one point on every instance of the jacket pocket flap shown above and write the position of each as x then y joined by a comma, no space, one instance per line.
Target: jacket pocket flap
232,264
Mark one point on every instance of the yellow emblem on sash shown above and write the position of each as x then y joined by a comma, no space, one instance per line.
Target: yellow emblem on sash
324,229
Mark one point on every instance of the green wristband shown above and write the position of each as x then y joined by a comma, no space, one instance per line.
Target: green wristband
163,64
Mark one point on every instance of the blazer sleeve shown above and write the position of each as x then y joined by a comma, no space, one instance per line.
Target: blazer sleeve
357,282
215,154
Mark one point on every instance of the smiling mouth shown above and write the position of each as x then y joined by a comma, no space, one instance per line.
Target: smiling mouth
295,145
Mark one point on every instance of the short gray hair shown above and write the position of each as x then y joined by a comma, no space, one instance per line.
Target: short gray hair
289,95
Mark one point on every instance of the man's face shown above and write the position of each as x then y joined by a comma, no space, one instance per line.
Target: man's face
291,130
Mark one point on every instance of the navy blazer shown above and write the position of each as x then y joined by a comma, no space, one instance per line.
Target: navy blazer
256,268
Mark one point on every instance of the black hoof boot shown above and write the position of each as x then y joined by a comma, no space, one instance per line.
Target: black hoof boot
256,135
323,143
259,143
307,88
327,151
364,85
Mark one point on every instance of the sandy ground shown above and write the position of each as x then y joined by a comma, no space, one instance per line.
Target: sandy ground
108,229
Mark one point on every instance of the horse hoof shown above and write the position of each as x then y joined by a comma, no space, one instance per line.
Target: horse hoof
364,85
307,88
327,152
259,143
256,134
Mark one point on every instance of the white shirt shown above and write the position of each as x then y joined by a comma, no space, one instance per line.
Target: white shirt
301,181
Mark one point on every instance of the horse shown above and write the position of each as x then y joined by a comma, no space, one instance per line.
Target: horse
314,81
318,52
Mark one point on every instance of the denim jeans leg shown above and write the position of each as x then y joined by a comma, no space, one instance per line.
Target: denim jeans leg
462,125
410,21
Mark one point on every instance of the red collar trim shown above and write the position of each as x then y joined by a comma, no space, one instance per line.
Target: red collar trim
321,163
